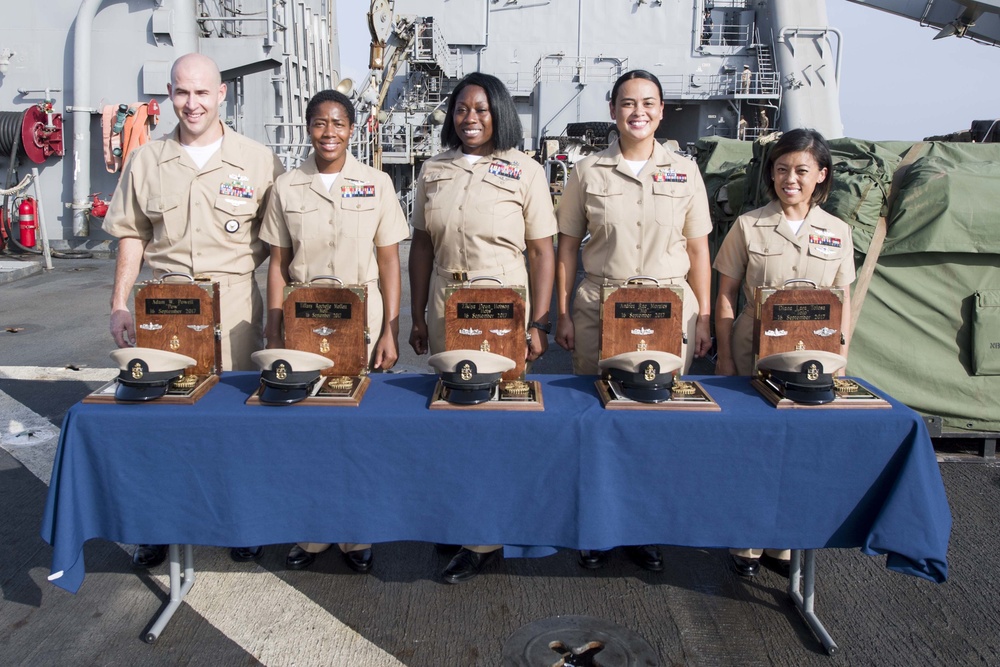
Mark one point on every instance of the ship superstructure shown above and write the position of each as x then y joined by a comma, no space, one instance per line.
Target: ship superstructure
60,68
732,68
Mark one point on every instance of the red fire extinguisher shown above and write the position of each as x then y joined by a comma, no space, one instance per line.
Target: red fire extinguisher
26,219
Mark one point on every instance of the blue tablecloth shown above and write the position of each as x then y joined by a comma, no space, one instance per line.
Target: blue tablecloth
576,475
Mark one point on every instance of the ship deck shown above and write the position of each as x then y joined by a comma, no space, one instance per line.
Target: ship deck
53,350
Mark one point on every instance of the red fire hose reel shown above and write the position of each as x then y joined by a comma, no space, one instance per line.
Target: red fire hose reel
41,133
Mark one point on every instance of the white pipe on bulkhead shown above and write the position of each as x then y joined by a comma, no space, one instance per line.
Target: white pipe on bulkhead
82,111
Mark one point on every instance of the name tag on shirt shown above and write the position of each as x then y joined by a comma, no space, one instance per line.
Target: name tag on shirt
669,176
505,169
362,190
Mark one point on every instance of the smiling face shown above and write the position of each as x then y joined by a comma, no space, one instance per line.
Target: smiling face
637,111
196,92
796,176
330,130
473,121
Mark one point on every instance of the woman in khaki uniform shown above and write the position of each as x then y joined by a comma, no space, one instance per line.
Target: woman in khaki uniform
479,208
791,237
646,211
336,216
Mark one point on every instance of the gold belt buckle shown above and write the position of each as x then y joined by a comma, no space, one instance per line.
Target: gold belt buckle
460,276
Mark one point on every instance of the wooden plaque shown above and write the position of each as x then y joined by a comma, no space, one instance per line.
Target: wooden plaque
641,317
532,402
790,317
844,397
174,396
181,317
693,397
490,319
331,321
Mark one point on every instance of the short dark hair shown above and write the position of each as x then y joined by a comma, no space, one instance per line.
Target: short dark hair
329,96
507,131
795,141
635,74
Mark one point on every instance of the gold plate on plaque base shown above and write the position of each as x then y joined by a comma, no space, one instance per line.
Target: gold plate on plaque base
332,391
847,394
530,400
176,395
692,396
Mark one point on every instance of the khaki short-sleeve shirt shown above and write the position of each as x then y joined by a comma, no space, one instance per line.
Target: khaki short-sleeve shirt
480,215
761,250
638,225
334,232
197,221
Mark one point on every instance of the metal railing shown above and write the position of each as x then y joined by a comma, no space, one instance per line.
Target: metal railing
585,69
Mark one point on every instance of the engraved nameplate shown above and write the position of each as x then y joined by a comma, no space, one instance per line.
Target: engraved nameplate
173,307
318,310
800,312
635,310
485,311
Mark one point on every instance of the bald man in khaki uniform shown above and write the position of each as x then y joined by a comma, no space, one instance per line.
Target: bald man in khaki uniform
192,203
761,250
202,221
639,225
479,216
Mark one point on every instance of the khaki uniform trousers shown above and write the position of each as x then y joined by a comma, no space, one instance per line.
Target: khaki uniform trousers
778,554
242,311
587,325
320,547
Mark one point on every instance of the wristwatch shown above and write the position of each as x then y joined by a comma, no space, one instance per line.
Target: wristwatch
547,328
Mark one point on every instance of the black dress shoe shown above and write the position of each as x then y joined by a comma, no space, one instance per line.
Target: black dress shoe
746,567
359,561
245,554
782,567
592,559
646,556
465,565
149,555
298,558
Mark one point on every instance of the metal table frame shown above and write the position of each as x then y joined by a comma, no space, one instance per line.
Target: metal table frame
180,584
801,588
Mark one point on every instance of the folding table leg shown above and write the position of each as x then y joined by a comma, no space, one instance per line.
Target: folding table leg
803,574
180,584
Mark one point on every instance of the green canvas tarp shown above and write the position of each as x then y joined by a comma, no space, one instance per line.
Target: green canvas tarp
918,328
927,306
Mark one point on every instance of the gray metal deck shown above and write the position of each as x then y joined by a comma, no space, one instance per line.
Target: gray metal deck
697,612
